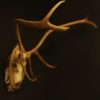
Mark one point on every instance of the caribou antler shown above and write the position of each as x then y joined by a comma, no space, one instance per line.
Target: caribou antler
17,69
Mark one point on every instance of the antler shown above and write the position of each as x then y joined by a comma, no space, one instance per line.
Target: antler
16,71
68,25
44,23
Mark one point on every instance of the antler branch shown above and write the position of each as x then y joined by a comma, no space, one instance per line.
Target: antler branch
67,25
16,70
44,23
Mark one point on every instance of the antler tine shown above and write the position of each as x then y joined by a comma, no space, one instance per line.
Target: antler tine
26,73
86,20
43,61
53,9
44,23
81,21
30,67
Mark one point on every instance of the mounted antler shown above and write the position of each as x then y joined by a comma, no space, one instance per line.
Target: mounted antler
17,68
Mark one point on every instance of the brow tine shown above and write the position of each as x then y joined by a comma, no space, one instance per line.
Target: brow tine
53,9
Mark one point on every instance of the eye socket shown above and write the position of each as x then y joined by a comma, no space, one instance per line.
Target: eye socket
20,56
14,65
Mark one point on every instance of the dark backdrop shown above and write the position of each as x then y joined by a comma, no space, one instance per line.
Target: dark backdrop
76,51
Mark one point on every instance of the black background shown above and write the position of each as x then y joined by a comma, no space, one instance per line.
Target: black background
76,51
